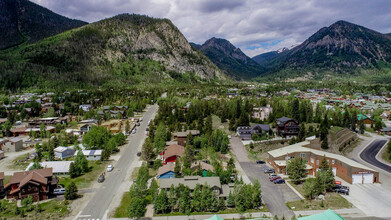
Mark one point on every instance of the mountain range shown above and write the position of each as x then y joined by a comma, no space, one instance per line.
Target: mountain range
22,20
230,59
45,50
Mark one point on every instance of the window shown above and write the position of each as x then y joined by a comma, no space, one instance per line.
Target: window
332,161
312,160
302,155
317,162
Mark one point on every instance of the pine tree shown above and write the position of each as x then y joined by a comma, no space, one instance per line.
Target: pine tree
302,132
362,127
325,143
185,201
296,109
161,203
353,121
73,170
230,200
177,169
196,201
296,169
71,191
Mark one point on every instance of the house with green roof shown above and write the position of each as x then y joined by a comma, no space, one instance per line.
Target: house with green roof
326,215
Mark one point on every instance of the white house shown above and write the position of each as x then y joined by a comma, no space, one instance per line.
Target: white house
63,152
59,167
91,154
85,108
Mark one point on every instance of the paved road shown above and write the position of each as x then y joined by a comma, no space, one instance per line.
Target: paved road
271,193
97,207
370,152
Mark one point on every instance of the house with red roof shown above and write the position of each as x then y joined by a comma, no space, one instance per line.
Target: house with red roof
171,153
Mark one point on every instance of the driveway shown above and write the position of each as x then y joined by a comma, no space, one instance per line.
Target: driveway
370,152
98,206
9,157
273,195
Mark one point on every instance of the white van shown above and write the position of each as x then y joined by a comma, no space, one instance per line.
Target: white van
60,191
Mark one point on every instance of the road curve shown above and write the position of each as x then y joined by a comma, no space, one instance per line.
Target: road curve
370,152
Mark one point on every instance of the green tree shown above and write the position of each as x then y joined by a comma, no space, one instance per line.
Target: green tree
177,169
161,203
74,171
96,138
296,169
27,202
127,127
160,137
296,109
362,127
36,166
353,121
197,198
81,162
311,188
147,152
325,176
71,191
325,143
136,208
185,201
42,130
208,125
230,200
7,128
302,132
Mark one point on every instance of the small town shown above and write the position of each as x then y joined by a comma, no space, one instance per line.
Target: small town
195,110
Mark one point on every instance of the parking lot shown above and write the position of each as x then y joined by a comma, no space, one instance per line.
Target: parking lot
373,199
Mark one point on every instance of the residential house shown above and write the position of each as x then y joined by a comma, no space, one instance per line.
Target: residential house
13,145
181,137
171,153
386,131
85,107
91,154
287,127
204,167
345,168
366,120
247,132
262,113
59,167
166,171
222,191
63,152
2,193
39,184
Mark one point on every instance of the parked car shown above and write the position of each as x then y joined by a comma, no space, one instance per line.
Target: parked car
101,178
138,154
272,175
342,191
60,191
279,181
260,162
134,131
274,178
149,122
141,119
269,170
109,168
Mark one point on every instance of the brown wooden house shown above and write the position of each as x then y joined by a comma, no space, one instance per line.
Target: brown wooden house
39,184
287,127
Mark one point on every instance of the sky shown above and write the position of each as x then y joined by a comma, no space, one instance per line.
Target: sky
255,26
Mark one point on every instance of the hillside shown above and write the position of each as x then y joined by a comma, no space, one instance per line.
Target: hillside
22,20
342,48
264,58
125,49
230,59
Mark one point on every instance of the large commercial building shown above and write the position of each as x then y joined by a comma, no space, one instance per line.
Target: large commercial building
345,168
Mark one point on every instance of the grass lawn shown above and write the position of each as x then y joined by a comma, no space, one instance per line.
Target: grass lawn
332,201
85,180
122,210
351,147
260,150
216,123
20,163
386,156
226,211
52,209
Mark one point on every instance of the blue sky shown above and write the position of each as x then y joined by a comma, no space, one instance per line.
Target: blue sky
255,26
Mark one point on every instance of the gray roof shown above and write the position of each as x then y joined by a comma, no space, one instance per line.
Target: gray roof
15,139
190,181
262,126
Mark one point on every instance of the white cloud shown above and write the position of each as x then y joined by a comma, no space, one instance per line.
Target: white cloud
246,23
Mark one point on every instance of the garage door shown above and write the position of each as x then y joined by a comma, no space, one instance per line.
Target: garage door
335,171
356,178
368,177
